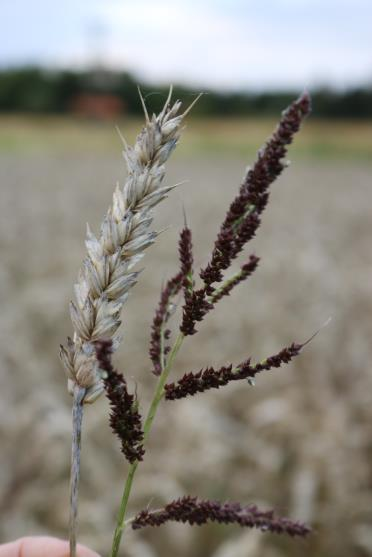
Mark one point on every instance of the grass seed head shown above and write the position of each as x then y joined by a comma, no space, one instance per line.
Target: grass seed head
105,278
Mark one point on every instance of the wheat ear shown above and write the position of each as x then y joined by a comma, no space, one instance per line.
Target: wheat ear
106,275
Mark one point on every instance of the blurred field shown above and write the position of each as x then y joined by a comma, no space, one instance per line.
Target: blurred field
211,136
299,441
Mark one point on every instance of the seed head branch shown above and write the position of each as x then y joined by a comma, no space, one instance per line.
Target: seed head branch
125,420
184,279
197,512
244,215
159,333
227,286
210,378
186,258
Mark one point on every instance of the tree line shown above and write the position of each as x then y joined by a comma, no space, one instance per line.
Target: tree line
36,90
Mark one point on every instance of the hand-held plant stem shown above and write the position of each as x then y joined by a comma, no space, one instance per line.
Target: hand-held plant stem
77,419
239,226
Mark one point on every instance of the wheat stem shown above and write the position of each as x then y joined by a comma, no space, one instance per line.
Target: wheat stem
158,395
77,419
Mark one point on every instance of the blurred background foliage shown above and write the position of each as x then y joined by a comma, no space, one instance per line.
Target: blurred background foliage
37,90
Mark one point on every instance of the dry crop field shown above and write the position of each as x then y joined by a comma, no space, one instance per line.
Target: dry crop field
300,440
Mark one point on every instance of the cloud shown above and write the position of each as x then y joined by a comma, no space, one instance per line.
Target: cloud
228,47
218,43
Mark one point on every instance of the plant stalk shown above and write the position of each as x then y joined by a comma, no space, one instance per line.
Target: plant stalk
77,419
158,395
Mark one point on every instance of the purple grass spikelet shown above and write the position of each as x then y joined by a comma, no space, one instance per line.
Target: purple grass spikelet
198,512
195,309
243,217
186,258
210,378
125,420
162,314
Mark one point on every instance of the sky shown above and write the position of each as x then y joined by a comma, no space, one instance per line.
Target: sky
223,44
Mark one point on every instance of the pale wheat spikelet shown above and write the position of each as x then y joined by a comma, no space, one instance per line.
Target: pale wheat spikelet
106,275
